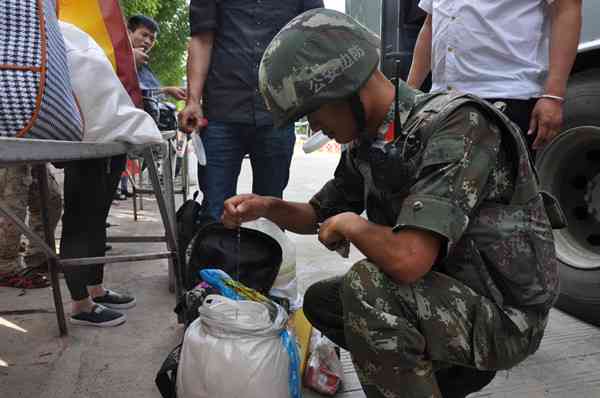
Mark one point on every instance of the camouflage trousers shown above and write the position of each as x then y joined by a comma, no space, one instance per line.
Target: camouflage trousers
19,191
401,336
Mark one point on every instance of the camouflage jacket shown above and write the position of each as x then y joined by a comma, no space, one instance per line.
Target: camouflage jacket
472,184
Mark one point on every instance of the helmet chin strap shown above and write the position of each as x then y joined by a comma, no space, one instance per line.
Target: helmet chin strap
403,100
358,110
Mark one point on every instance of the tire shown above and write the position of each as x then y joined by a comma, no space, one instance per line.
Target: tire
569,168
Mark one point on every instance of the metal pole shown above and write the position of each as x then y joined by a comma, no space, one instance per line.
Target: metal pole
169,192
184,170
134,191
41,173
394,46
32,236
141,204
167,211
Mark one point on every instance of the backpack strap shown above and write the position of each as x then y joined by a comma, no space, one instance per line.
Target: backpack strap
527,180
438,109
166,378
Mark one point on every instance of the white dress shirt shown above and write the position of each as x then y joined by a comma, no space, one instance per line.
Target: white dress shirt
491,48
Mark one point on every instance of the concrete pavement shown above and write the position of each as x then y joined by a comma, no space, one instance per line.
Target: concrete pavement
122,361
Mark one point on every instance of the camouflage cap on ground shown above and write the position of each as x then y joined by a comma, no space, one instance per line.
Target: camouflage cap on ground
318,57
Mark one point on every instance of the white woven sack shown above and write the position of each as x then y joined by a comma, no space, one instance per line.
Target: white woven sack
107,109
234,350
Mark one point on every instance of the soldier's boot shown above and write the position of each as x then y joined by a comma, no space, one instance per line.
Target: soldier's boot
459,381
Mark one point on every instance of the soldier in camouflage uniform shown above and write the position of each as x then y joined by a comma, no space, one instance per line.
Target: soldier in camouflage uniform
20,191
460,271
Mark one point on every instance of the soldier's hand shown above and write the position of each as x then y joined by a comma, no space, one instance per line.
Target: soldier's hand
332,232
191,117
243,208
546,121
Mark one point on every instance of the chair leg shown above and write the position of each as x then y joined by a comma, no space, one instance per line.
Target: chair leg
141,181
174,264
53,267
134,191
168,184
169,192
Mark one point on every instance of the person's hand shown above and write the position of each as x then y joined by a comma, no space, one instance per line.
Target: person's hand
546,121
191,117
243,208
178,93
140,56
333,232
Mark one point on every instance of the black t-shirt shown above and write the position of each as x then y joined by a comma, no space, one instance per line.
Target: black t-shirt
243,30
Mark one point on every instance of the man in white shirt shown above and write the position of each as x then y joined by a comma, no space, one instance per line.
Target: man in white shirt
519,52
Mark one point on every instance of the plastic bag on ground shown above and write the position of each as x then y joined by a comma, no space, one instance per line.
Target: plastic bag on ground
324,370
234,350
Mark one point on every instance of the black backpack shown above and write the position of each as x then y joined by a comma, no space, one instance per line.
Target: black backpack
166,378
188,218
205,243
255,262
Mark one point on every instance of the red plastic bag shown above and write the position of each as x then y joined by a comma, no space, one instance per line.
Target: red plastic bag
324,371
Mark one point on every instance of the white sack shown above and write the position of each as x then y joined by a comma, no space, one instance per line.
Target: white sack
108,112
234,350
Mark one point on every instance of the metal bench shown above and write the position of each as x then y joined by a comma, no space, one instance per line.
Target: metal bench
39,153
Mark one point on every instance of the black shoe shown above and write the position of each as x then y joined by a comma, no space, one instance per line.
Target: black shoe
107,248
115,300
99,316
128,194
458,381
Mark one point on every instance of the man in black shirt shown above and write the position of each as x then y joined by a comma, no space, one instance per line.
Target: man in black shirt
228,41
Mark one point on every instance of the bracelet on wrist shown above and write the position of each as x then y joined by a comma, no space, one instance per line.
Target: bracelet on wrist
553,97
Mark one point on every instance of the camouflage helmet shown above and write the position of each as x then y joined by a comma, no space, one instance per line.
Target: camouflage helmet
318,57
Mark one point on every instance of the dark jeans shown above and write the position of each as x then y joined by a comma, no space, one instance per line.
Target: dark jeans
226,144
519,111
89,189
124,183
324,310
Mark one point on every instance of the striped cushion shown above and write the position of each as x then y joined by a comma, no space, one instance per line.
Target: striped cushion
36,99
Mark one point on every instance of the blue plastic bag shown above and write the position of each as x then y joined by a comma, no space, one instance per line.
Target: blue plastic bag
292,349
216,278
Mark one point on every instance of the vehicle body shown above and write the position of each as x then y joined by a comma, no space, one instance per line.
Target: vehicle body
569,167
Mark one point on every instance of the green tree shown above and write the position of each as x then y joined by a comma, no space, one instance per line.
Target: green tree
167,59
